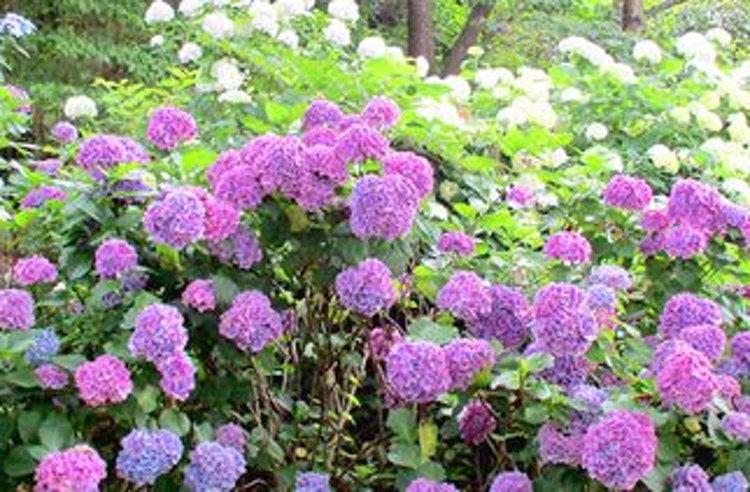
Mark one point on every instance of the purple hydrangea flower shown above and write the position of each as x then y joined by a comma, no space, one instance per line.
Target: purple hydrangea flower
686,380
45,345
105,151
509,319
240,186
520,196
456,242
50,167
740,347
177,376
222,217
628,193
710,340
620,449
242,248
557,447
39,196
427,485
413,167
199,295
104,380
214,467
312,482
655,220
684,242
320,136
695,204
602,297
734,216
567,371
114,257
21,97
383,207
322,112
563,324
686,310
418,371
176,220
612,276
568,246
286,172
34,270
79,468
690,478
466,358
737,426
251,323
64,132
381,113
476,422
359,143
159,333
730,482
16,310
466,296
226,161
380,341
147,455
366,288
232,435
665,350
169,127
512,482
51,376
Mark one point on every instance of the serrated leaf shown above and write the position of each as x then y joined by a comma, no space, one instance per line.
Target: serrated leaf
403,423
406,455
28,425
55,433
177,422
18,462
508,379
425,329
428,439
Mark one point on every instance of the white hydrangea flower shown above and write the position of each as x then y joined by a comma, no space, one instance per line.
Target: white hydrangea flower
609,158
218,25
395,52
738,187
622,72
719,36
708,120
647,51
488,78
189,8
554,159
502,92
265,18
593,53
345,10
189,53
695,47
423,66
596,132
157,40
289,9
228,75
542,113
475,51
289,38
336,32
441,110
235,97
511,116
572,94
459,86
739,131
372,47
664,158
680,114
80,107
159,11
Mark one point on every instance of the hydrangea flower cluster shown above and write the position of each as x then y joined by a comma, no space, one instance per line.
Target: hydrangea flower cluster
79,468
45,345
312,482
709,340
380,341
51,376
686,310
242,248
476,422
557,447
103,151
104,380
199,295
159,333
16,310
512,482
687,380
381,113
214,467
563,323
34,270
233,436
688,478
466,358
568,246
37,197
427,485
115,257
177,376
64,132
509,319
612,276
366,288
147,455
169,127
176,220
730,482
413,167
383,207
628,193
737,426
251,322
466,296
456,242
418,372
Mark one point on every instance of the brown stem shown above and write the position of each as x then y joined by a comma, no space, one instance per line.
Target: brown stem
421,30
468,37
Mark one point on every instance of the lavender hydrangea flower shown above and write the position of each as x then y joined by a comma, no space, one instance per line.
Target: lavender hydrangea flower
240,186
620,449
177,220
512,482
251,323
476,422
79,468
39,196
730,482
567,371
359,143
628,193
686,380
466,358
417,371
710,340
456,242
466,296
612,276
177,376
114,257
571,247
19,97
427,485
199,295
232,435
147,455
105,151
509,320
34,270
104,380
312,482
50,167
601,297
563,324
520,196
383,207
695,204
380,341
734,216
737,426
381,113
320,136
169,127
655,220
686,310
413,167
366,288
690,478
16,25
740,348
159,333
557,447
214,467
684,242
242,248
222,217
16,310
51,377
322,113
45,345
64,132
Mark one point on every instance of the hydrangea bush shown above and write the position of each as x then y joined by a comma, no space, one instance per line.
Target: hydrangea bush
303,264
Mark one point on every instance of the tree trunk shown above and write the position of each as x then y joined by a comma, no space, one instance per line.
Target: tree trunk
633,18
421,30
468,38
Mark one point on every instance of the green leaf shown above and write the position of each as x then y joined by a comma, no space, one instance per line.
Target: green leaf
226,290
55,433
147,398
197,159
407,455
433,471
535,414
23,377
427,330
537,362
28,425
478,163
177,422
18,462
508,379
69,362
403,423
428,439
